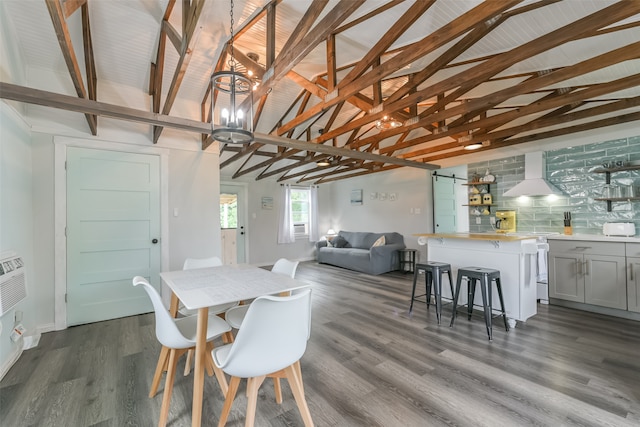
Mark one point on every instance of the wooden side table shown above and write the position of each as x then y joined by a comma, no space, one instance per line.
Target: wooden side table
407,260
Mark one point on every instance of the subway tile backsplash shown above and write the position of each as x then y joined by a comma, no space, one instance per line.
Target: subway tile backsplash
571,170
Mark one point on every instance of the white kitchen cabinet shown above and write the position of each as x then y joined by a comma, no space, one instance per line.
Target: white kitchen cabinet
588,272
633,277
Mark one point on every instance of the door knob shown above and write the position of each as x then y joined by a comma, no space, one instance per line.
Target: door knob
154,241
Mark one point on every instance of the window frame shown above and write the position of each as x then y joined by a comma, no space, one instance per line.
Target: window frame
307,202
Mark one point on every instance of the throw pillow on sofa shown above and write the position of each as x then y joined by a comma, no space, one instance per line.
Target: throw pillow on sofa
340,242
379,242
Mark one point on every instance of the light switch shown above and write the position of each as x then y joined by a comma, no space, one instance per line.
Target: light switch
175,211
418,211
253,215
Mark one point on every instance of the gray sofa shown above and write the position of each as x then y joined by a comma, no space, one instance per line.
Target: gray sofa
358,254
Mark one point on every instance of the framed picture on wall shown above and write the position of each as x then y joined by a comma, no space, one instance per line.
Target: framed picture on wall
267,203
356,197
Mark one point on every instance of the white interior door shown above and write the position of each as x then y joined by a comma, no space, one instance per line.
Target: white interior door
444,204
113,233
232,223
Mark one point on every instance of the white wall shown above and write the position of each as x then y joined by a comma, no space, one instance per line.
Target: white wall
413,192
262,226
194,191
16,220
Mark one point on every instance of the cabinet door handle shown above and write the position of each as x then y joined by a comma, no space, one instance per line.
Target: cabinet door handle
631,272
586,267
578,267
583,248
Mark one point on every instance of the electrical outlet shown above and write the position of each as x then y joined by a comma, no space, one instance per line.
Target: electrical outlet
478,220
492,220
17,333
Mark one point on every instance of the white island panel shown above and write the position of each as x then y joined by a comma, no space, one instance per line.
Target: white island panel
514,258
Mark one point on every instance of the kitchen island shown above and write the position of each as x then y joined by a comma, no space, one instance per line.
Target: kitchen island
513,255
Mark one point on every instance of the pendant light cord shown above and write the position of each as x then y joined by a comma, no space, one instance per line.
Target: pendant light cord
232,61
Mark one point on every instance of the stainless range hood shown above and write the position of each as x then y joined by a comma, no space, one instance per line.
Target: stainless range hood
534,183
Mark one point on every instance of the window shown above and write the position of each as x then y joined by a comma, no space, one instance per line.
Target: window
228,211
300,211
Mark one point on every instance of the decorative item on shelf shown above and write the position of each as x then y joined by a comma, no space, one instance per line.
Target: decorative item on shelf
487,199
488,178
475,199
486,211
474,190
231,102
568,230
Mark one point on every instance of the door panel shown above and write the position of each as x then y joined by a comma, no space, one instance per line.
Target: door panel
605,281
444,205
633,284
565,277
113,215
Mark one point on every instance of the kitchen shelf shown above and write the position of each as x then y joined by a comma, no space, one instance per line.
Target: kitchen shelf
479,183
608,172
476,183
619,169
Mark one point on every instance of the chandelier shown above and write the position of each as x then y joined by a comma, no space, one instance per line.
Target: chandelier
387,122
231,102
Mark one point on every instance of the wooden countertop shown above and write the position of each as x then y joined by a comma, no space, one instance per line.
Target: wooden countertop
476,236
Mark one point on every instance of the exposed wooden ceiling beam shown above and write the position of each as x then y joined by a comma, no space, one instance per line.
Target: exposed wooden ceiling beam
71,6
455,28
482,72
87,106
183,62
64,40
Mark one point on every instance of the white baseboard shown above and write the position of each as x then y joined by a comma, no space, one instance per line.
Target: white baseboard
48,327
13,358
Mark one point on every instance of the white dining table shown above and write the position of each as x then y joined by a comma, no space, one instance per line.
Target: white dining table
198,289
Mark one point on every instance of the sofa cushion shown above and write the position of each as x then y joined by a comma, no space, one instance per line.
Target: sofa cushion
340,242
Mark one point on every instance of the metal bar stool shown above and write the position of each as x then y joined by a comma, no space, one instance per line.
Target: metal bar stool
485,276
433,275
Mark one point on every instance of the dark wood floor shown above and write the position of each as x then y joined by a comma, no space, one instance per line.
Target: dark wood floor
368,363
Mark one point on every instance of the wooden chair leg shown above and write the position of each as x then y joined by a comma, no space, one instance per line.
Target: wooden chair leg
253,385
208,362
299,372
187,363
278,390
228,401
174,355
160,368
211,367
227,337
295,383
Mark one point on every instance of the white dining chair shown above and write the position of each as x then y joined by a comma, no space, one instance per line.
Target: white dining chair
271,342
235,315
177,336
219,309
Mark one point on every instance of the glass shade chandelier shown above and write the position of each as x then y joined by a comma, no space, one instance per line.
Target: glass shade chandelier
387,122
231,103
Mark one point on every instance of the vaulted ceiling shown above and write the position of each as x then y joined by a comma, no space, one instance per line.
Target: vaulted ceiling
449,72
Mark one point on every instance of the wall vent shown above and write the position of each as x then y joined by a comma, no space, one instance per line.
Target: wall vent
12,282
